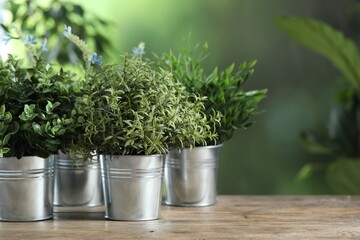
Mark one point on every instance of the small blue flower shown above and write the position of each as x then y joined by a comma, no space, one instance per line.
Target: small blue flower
30,39
95,59
139,50
67,30
6,39
43,47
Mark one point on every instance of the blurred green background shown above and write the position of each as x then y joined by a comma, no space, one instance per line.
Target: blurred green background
265,158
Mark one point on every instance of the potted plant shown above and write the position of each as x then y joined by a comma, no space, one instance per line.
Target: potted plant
77,183
35,115
133,114
191,174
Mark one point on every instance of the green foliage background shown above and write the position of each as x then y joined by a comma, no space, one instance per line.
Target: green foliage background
265,158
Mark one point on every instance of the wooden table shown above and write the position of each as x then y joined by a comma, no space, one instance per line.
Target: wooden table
233,217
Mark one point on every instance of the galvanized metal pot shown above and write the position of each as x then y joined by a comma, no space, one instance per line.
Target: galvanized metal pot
132,186
191,176
77,183
26,188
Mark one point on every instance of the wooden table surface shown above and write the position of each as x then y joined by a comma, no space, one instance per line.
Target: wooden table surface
233,217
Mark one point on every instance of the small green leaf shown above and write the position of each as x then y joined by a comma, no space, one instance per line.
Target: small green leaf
252,64
5,150
49,107
36,127
326,41
5,140
13,128
2,110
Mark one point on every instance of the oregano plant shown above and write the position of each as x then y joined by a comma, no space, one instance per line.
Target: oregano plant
36,108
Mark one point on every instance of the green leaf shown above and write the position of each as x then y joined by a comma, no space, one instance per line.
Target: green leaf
229,69
5,150
6,139
60,132
49,107
55,105
2,110
29,109
251,64
305,172
13,128
326,41
343,176
36,127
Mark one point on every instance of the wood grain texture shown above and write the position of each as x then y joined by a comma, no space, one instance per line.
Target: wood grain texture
233,217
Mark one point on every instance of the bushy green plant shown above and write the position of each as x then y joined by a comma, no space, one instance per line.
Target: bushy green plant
36,104
131,108
134,108
223,89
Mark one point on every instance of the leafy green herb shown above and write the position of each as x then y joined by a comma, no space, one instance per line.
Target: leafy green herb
223,89
131,108
36,104
135,108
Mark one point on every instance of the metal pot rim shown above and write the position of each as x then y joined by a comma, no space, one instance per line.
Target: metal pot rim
200,147
24,157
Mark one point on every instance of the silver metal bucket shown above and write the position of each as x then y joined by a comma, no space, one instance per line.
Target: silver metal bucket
132,186
26,188
191,176
77,184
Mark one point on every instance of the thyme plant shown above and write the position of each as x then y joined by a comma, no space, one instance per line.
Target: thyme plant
223,89
135,108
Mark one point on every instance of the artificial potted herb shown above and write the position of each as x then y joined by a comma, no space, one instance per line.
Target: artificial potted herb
77,183
133,114
35,115
191,174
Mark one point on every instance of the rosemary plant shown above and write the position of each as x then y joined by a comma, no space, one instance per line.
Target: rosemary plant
134,108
